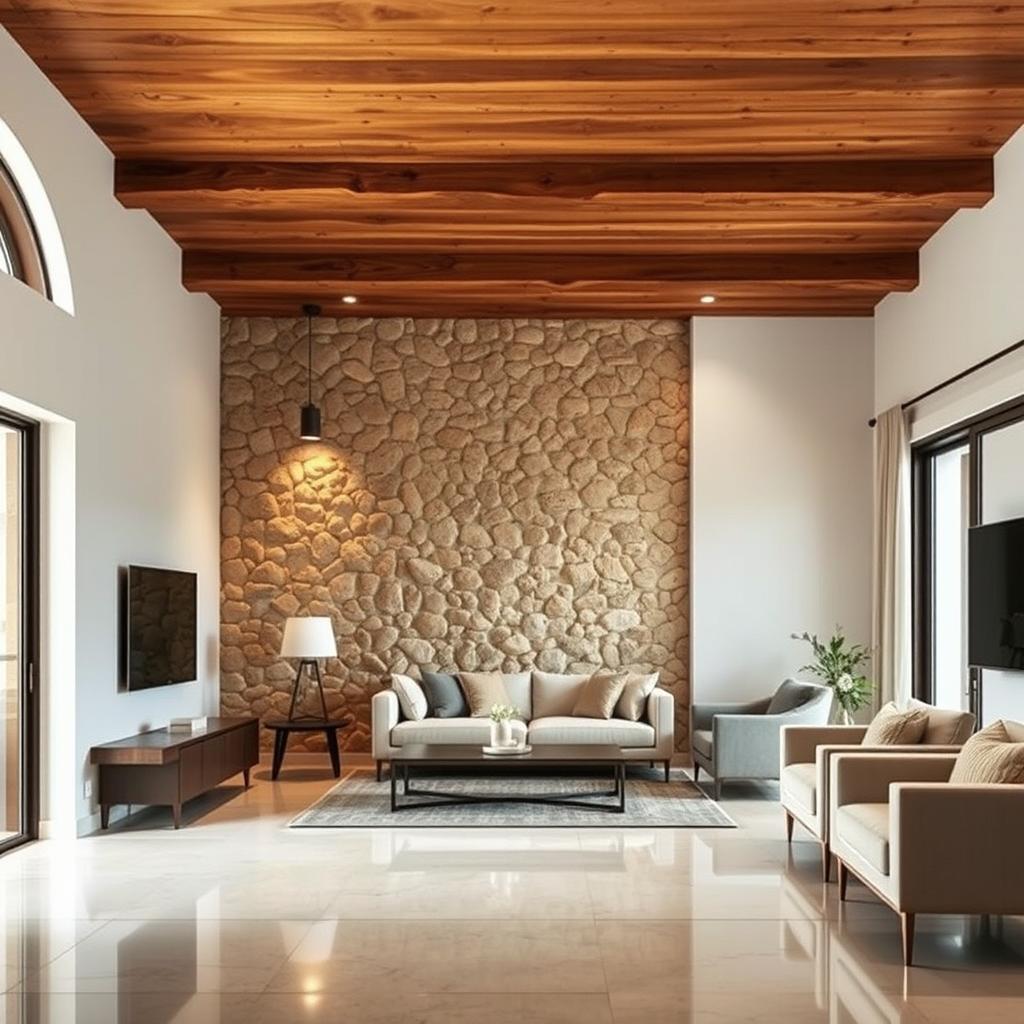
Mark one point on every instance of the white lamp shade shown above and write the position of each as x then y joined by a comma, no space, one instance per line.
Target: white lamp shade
311,636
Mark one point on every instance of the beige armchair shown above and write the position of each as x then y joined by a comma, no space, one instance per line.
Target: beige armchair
922,844
806,753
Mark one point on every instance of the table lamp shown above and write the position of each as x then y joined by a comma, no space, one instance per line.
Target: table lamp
308,638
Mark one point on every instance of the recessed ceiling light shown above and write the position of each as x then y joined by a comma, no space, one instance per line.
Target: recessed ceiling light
707,299
349,300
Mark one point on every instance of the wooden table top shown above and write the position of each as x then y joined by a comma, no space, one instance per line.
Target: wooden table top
160,746
546,754
306,724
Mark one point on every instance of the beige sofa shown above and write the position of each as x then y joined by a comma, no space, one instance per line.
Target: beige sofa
923,845
650,739
807,751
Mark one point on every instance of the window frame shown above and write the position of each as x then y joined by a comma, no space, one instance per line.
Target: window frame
19,236
969,431
30,609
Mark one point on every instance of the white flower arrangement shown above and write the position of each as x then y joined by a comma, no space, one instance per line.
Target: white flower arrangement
504,712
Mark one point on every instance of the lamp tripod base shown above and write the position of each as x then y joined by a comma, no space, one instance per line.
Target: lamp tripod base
312,666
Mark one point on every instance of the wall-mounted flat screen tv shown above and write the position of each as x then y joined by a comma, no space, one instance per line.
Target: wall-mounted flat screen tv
995,595
160,627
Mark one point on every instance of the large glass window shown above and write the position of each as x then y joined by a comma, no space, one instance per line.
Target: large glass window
971,474
18,578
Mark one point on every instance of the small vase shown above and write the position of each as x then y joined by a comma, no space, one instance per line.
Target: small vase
501,734
843,716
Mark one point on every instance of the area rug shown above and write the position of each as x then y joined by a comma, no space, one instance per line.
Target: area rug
360,802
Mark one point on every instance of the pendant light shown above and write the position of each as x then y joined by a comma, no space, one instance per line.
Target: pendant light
309,422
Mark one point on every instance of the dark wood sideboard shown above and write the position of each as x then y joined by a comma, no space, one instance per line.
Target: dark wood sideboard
164,767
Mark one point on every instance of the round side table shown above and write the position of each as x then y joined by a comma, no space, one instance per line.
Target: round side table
283,728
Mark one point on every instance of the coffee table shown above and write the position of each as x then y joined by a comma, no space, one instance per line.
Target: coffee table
419,758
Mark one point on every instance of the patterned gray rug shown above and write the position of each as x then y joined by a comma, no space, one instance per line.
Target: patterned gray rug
360,802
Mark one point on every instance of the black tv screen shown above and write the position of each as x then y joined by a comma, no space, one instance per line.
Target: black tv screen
160,627
995,591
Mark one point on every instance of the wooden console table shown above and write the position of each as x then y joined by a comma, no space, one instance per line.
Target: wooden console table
164,767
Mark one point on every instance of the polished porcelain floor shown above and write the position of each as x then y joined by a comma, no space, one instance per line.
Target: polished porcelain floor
236,918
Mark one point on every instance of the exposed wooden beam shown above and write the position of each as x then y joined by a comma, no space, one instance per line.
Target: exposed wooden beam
967,181
208,271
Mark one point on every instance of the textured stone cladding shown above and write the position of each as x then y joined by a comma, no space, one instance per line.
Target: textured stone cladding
488,494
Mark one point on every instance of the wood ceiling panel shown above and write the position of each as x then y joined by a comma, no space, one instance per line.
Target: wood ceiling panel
541,156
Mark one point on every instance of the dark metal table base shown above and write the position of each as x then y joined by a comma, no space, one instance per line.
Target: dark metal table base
436,798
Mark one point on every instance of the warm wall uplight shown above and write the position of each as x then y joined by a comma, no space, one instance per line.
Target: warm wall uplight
349,300
707,299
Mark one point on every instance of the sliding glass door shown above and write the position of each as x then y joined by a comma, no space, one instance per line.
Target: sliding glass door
19,814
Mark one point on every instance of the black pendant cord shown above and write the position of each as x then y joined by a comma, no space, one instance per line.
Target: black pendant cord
311,311
309,419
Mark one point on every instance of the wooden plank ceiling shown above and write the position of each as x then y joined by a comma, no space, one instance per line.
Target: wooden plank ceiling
542,157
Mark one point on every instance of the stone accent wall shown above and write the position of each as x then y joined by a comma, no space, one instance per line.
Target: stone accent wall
488,494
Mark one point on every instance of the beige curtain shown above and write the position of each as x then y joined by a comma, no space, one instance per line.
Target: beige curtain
892,609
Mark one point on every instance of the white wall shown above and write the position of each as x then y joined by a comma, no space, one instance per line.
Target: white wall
781,495
969,305
129,390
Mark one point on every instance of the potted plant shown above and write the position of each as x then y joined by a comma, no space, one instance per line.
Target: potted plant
501,725
838,662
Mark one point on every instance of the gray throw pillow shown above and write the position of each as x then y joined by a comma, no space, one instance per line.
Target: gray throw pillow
444,695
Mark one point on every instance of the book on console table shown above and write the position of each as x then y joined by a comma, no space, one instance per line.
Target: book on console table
188,724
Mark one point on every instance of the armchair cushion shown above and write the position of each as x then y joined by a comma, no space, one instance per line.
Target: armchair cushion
891,726
800,781
790,695
865,827
990,756
703,743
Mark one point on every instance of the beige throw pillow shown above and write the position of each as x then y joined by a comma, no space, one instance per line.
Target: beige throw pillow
892,726
554,694
990,756
946,726
483,690
599,696
633,701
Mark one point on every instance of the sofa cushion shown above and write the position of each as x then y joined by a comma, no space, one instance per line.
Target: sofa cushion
892,726
946,726
790,695
483,690
800,781
865,827
473,731
555,694
990,756
703,742
599,695
633,701
445,698
567,729
411,698
518,686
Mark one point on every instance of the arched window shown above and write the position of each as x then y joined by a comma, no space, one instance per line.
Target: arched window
20,254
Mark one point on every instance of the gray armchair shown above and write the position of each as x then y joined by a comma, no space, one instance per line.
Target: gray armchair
741,741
